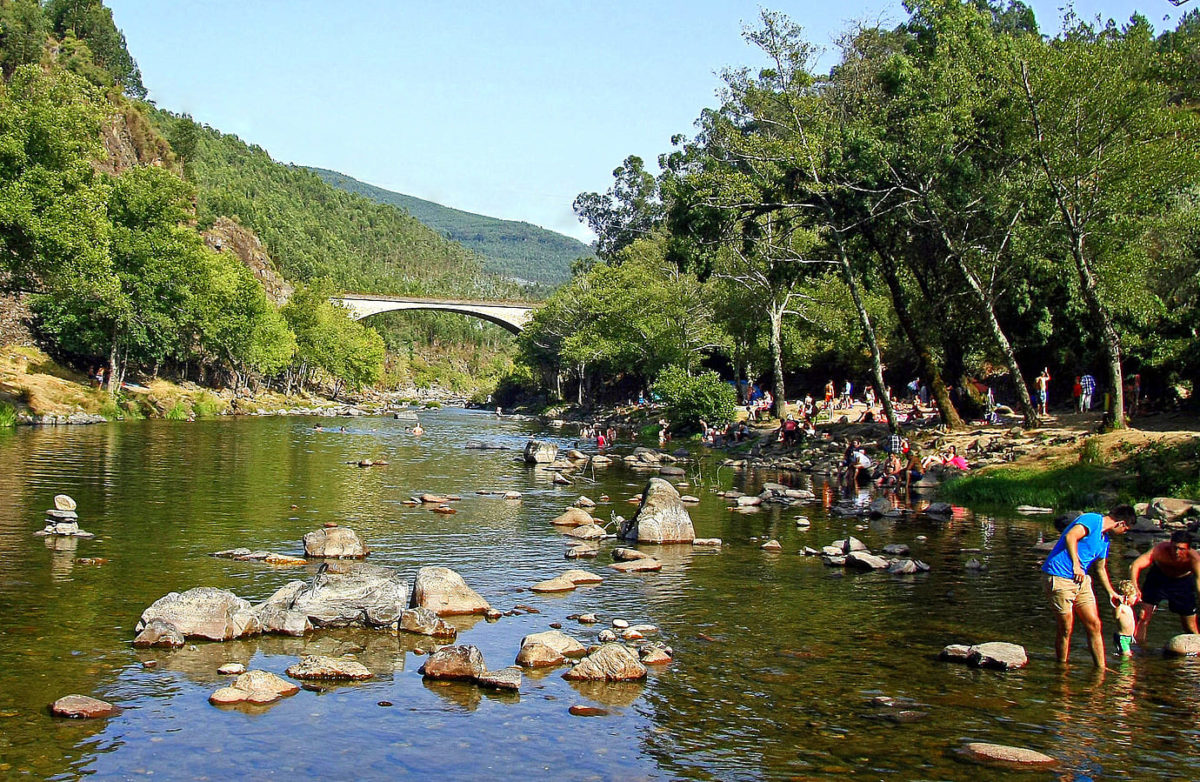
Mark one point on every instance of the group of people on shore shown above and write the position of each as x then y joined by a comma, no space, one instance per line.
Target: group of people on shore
1169,571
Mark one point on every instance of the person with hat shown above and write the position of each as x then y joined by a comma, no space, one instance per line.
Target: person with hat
1083,546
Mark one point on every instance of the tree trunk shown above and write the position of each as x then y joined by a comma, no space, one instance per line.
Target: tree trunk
775,314
1108,333
581,371
113,355
864,320
929,367
1010,358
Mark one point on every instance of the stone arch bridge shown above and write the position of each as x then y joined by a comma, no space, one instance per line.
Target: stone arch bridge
510,315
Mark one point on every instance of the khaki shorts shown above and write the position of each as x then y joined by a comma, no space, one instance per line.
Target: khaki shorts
1065,594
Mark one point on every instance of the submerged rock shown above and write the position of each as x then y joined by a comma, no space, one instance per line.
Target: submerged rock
1000,754
1183,645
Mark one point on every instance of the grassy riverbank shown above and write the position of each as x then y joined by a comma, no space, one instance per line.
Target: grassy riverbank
1131,465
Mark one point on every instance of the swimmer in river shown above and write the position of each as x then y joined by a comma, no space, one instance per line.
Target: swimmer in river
417,430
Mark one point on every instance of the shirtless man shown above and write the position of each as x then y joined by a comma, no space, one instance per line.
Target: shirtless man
1172,574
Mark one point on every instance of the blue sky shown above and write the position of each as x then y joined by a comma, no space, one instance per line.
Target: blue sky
506,109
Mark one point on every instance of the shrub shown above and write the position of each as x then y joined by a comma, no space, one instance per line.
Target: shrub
1091,453
178,412
207,406
8,416
688,399
433,404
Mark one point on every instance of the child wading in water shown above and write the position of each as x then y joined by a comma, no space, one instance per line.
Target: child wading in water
1123,638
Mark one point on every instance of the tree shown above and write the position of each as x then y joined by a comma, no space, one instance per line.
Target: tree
1107,150
630,209
91,22
23,32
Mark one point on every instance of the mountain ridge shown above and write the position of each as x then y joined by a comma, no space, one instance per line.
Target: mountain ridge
514,248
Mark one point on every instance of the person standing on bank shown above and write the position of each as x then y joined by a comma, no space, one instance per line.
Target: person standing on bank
1083,546
1172,571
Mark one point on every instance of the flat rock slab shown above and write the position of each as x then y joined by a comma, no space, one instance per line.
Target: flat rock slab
628,554
955,653
999,655
82,707
312,666
582,577
647,565
503,679
864,560
556,584
707,542
586,532
1000,754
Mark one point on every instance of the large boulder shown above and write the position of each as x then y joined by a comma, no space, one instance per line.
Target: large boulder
534,655
1171,509
334,543
610,663
540,452
364,595
444,592
454,662
661,517
203,612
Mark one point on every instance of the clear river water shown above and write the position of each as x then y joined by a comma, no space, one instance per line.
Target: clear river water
778,659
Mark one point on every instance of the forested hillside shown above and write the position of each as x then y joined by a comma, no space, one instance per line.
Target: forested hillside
513,249
315,231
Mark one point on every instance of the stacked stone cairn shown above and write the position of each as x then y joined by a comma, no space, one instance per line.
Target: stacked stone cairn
63,520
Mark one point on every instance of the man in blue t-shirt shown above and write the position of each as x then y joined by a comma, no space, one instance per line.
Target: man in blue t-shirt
1083,546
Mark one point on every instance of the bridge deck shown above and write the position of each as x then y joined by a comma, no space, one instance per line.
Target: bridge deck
422,300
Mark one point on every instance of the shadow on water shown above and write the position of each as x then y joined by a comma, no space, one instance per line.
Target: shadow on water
781,664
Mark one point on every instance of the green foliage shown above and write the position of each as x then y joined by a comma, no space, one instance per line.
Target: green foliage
329,340
205,405
1167,470
8,416
23,29
516,250
688,399
178,412
1091,453
91,22
629,211
1074,487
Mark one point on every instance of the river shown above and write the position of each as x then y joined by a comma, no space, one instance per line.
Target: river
778,659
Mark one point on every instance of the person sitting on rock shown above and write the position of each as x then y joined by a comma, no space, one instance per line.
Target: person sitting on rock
952,459
1172,571
893,471
912,469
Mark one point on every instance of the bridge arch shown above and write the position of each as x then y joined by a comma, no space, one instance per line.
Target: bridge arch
512,316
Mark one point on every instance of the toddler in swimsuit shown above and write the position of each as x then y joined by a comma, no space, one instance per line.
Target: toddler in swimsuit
1123,638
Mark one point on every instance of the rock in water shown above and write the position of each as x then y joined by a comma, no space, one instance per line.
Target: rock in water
558,641
312,666
573,517
454,662
444,592
254,687
540,452
771,545
204,612
1183,645
865,560
557,584
955,653
582,577
334,543
1006,756
503,679
82,707
64,502
535,655
161,633
364,596
611,663
1003,656
422,621
661,517
645,565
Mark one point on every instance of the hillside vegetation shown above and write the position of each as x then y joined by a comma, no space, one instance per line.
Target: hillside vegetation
516,250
